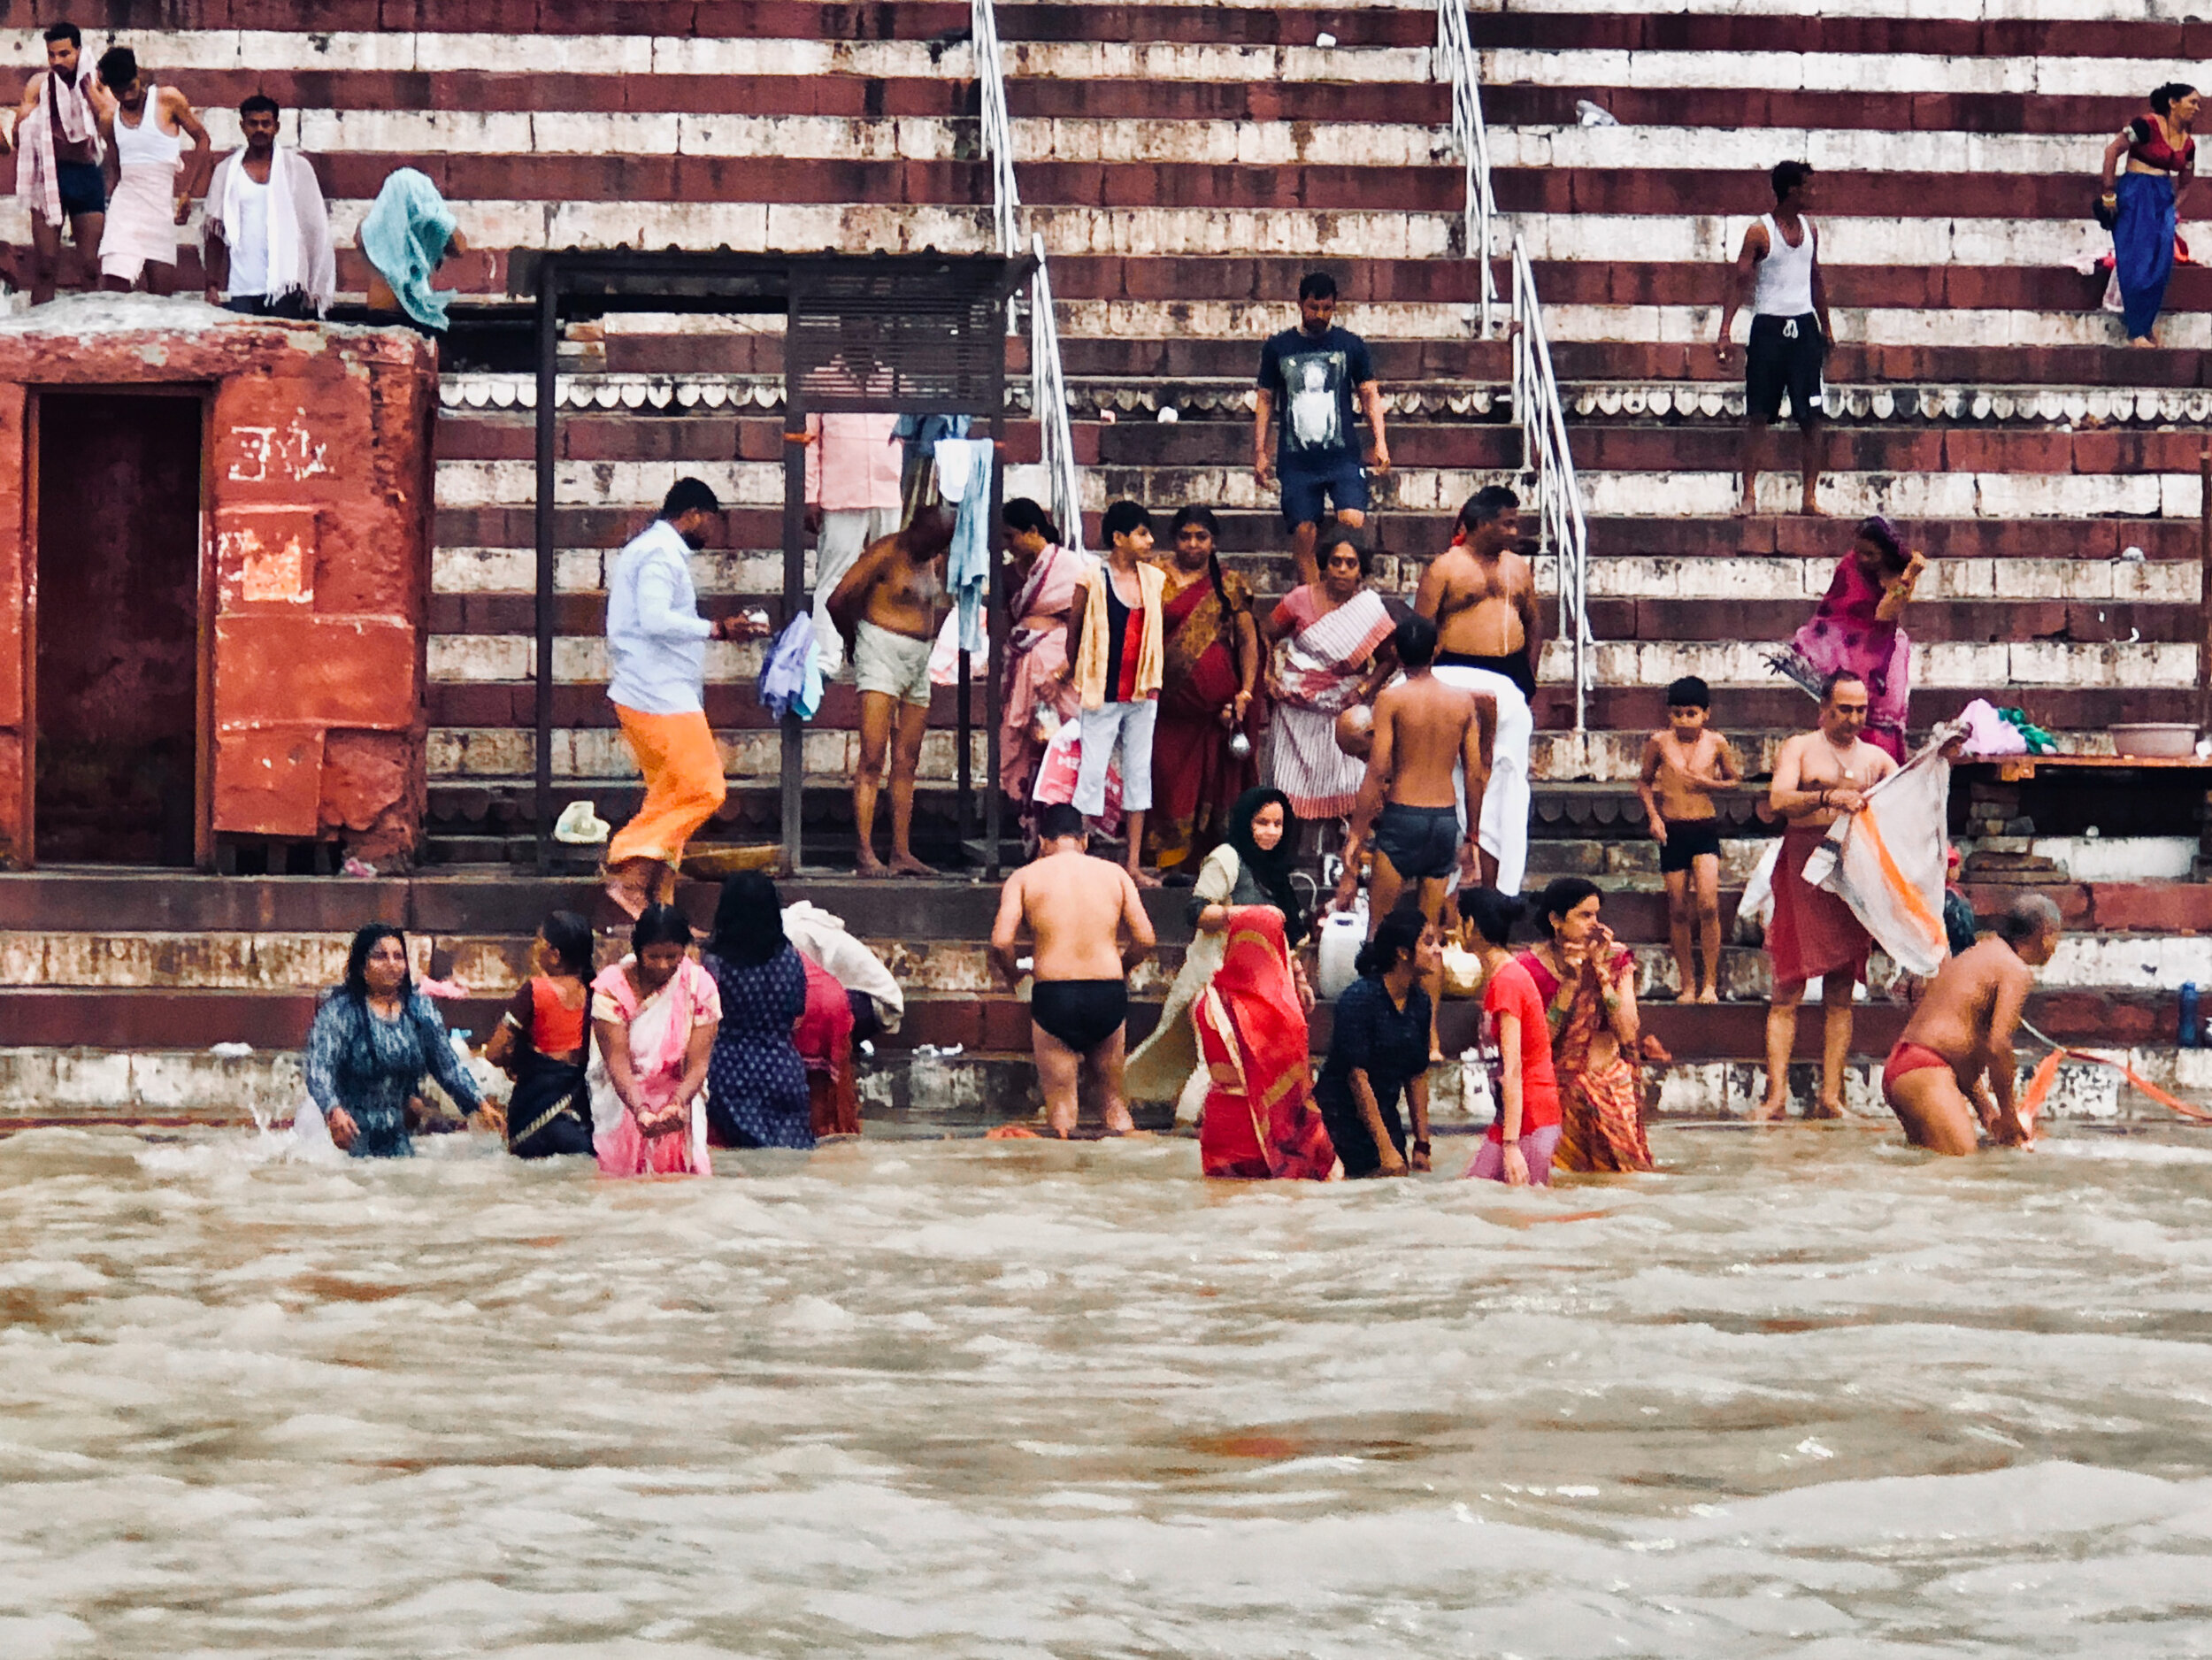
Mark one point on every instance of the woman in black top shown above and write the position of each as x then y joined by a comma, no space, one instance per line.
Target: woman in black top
1378,1050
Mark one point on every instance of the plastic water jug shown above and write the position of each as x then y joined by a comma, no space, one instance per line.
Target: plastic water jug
1342,934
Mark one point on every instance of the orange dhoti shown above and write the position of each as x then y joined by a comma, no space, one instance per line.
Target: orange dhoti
683,784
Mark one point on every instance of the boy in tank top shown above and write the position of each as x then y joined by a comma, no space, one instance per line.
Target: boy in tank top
1778,270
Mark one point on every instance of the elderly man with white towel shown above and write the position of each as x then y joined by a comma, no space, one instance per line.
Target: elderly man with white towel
269,251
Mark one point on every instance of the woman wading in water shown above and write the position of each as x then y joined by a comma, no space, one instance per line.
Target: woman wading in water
372,1040
655,1014
542,1043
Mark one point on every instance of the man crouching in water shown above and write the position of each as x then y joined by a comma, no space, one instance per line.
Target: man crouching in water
1955,1053
1077,909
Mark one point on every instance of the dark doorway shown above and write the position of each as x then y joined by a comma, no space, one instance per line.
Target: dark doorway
118,622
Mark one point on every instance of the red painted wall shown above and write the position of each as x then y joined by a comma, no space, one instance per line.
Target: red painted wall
318,512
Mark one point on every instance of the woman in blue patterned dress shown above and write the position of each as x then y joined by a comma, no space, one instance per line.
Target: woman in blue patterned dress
756,1092
372,1040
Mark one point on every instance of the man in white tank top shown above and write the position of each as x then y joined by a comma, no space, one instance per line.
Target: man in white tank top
155,187
1778,272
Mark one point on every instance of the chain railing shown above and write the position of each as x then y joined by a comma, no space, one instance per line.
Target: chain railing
1561,530
1471,139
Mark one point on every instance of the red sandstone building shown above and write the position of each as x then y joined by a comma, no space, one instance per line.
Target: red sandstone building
214,569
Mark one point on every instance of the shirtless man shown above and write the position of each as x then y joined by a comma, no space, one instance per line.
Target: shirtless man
58,169
1954,1064
1481,595
1090,930
887,607
1420,805
1818,777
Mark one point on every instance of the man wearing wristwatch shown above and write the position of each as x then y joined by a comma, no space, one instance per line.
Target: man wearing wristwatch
1818,778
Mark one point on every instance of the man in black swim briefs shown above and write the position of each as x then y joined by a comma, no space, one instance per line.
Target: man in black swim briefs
1089,929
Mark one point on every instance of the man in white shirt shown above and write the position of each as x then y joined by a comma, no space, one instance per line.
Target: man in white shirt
269,251
656,645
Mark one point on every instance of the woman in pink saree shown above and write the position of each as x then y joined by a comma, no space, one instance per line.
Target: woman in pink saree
655,1015
1037,674
1855,629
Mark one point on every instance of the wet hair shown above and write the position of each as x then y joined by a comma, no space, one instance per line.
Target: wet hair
929,531
568,936
2026,918
1841,677
1787,176
262,103
1203,517
1058,821
1689,692
1486,506
749,920
660,924
366,939
1563,894
1332,536
689,496
1494,914
2162,99
119,67
1316,285
65,32
1886,540
1397,935
1415,640
1125,519
1021,513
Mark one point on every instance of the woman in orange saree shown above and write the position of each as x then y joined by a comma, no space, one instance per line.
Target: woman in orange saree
1588,984
1260,1120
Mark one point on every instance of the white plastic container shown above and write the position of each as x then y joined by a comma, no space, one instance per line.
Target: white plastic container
1343,934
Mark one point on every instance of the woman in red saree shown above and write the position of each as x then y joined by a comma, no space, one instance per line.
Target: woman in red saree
1588,984
1260,1120
1855,628
1208,698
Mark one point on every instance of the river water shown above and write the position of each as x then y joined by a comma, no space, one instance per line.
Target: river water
1812,1395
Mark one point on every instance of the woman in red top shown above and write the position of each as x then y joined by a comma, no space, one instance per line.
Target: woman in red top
2144,202
540,1044
1516,1043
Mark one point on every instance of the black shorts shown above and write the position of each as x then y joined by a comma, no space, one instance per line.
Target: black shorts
1082,1013
1785,356
82,187
1687,841
1422,843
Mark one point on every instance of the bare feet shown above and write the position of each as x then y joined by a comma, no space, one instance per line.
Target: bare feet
1810,507
1120,1123
1709,995
1768,1111
869,867
2144,342
1825,1108
907,865
1747,508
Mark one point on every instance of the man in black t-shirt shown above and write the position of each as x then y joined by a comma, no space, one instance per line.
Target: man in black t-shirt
1311,374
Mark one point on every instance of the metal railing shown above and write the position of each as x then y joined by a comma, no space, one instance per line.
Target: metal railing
1047,380
1561,530
1471,139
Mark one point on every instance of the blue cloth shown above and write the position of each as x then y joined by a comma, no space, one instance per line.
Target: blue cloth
657,640
968,570
406,235
756,1092
2143,247
920,433
1308,489
791,674
370,1067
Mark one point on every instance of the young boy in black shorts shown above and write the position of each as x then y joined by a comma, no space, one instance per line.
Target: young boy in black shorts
1683,766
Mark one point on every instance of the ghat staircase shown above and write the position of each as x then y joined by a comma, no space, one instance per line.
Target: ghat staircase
1185,164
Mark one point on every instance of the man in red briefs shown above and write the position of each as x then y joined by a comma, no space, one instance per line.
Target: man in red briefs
1818,777
1953,1064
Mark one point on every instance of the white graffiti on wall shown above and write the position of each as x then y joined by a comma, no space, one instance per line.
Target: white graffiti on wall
291,451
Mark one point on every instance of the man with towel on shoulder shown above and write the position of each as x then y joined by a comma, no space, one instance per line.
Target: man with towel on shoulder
57,170
268,233
1818,778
